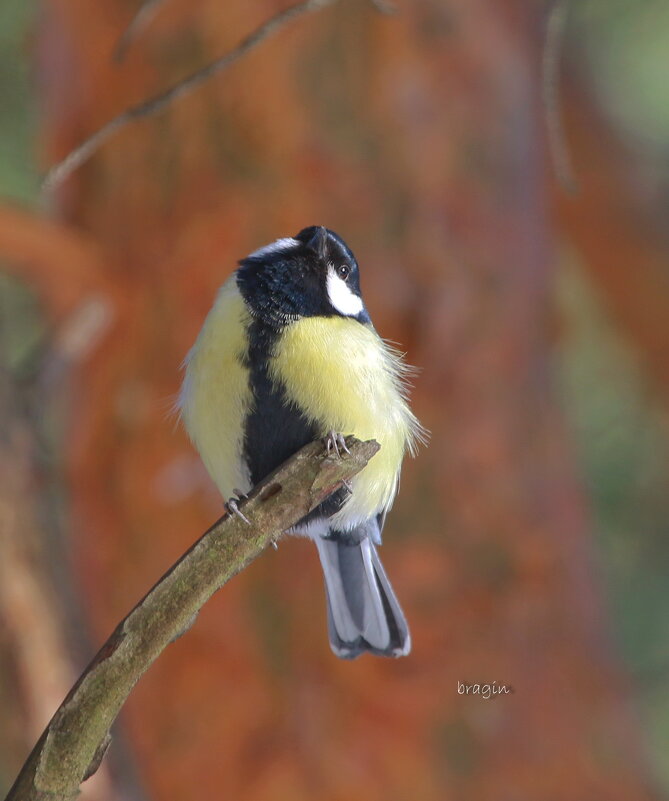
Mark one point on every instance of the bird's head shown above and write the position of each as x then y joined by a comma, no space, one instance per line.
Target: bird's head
313,274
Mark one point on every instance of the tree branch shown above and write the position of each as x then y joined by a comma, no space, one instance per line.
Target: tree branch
550,80
74,742
143,16
75,158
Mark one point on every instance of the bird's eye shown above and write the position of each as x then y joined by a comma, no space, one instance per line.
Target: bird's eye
343,271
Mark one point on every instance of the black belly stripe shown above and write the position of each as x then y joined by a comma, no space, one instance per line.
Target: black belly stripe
275,428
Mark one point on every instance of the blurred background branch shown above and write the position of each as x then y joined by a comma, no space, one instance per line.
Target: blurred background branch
557,143
153,105
141,19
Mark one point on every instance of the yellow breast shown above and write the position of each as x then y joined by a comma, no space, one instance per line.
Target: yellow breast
215,396
344,378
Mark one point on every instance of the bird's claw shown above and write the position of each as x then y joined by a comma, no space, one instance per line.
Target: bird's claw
232,507
335,442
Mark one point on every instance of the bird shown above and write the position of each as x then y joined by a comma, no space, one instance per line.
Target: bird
288,355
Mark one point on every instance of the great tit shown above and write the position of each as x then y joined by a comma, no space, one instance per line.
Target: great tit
287,355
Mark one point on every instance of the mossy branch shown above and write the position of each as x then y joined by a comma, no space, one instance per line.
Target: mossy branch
74,742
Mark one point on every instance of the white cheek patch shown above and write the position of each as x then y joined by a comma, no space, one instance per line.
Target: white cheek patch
287,243
341,297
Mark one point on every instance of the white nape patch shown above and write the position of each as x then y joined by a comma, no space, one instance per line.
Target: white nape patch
341,297
287,243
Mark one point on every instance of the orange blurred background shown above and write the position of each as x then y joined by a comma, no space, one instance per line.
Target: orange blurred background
528,544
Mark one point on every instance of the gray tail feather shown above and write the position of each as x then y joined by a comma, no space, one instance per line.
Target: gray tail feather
363,612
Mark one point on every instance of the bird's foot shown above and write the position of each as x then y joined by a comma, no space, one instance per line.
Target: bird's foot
232,506
335,442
